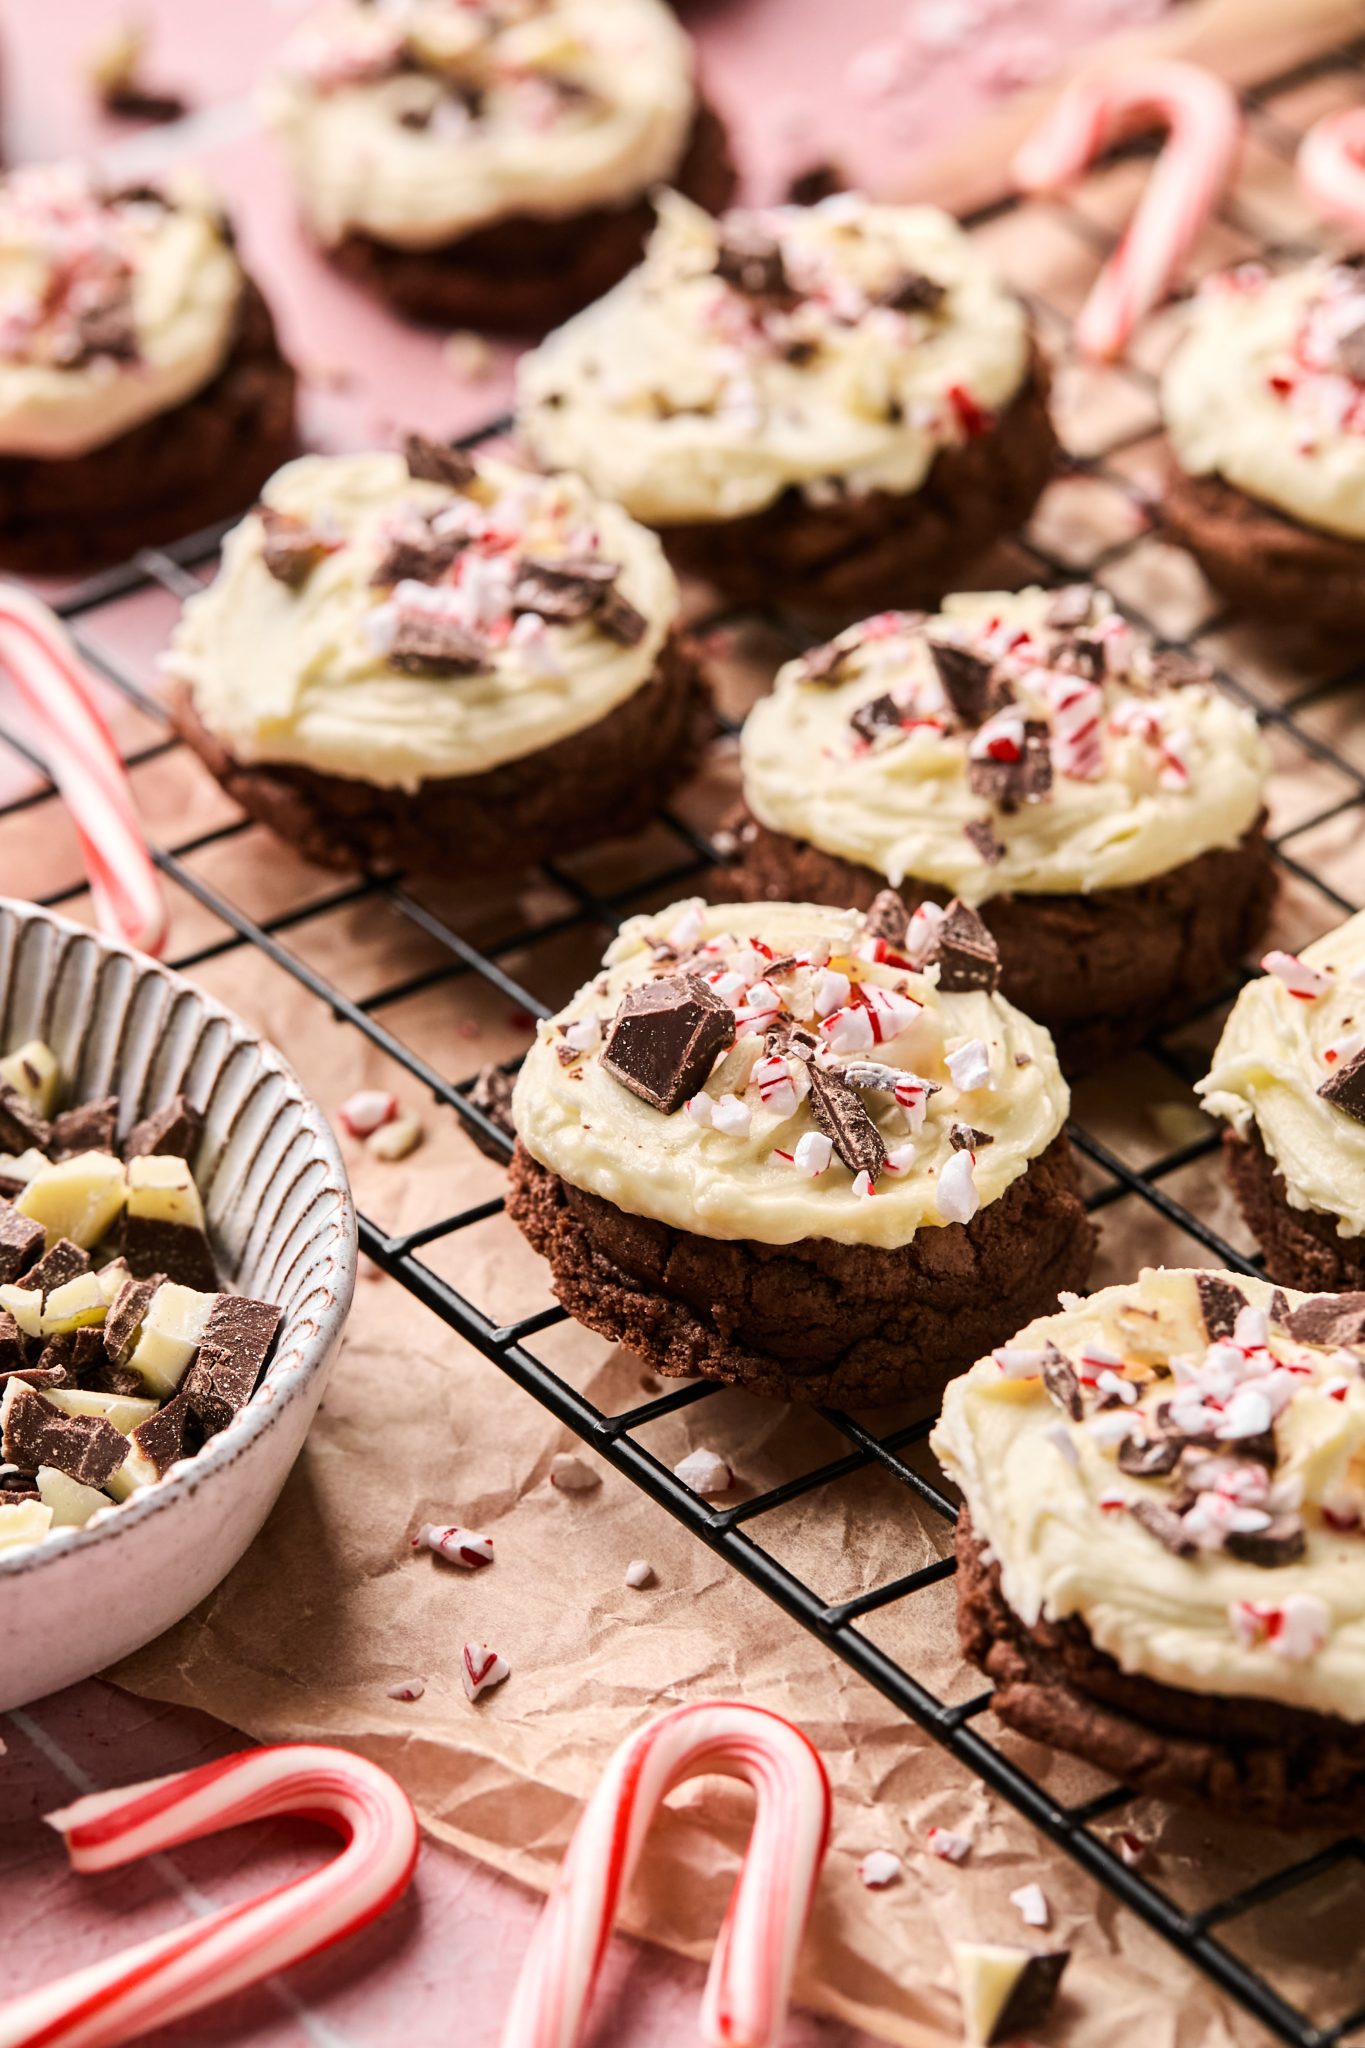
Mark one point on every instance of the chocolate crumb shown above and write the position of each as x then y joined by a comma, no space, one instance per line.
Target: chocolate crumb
1165,1524
1149,1457
980,833
749,258
1059,1377
966,1138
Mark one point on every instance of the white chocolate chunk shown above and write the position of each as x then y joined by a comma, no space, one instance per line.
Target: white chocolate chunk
1004,1990
111,1279
26,1521
71,1504
25,1304
22,1166
137,1470
33,1070
161,1189
125,1411
79,1198
76,1305
171,1333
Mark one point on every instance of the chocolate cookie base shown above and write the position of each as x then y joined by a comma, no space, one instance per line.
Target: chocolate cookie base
1102,972
864,554
815,1321
1254,1760
603,782
1268,563
525,274
1303,1248
201,461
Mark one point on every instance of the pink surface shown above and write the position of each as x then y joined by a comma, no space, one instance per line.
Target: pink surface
866,82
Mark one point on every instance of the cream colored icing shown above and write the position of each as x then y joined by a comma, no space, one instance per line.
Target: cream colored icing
340,104
1178,771
1034,1481
680,396
57,237
1254,393
300,675
576,1119
1269,1065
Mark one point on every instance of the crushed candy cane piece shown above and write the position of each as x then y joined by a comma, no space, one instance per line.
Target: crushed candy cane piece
879,1868
572,1474
459,1546
956,1197
395,1140
481,1669
704,1472
1131,1849
639,1573
731,1116
1032,1906
813,1153
970,1066
1301,980
1295,1630
686,931
1019,1361
408,1689
365,1111
848,1031
863,1185
830,991
700,1111
948,1845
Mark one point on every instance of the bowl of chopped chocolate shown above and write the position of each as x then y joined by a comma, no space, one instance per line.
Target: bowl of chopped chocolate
177,1257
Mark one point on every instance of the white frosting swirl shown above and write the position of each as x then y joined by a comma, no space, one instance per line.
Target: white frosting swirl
687,399
66,250
1276,1050
1171,773
1256,392
301,674
1046,1495
747,1182
425,120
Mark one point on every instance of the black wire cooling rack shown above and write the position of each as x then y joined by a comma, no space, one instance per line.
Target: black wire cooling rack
1251,222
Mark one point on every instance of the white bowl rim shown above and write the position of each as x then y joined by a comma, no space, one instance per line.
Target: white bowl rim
287,1375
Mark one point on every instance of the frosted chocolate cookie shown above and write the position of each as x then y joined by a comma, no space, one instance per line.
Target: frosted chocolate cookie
439,662
1289,1078
1097,800
1159,1554
142,390
488,163
767,1147
835,404
1265,415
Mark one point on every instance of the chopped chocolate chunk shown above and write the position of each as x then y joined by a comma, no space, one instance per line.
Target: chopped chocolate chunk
64,1262
176,1251
1278,1312
1281,1543
436,462
1078,657
965,952
842,1118
966,1138
70,1359
1012,783
130,101
174,1131
1171,668
913,292
1345,1088
13,1355
1059,1377
1333,1320
980,833
749,258
491,1094
618,618
104,326
562,591
965,677
417,557
878,715
665,1038
85,1447
89,1127
1185,1439
1071,606
124,1320
818,181
1220,1304
21,1242
1149,1457
1351,352
886,918
1165,1524
236,1342
21,1127
824,664
426,644
291,548
16,1486
173,1432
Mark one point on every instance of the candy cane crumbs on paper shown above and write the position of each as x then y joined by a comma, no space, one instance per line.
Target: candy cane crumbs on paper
174,1974
1205,123
751,1971
1331,165
86,767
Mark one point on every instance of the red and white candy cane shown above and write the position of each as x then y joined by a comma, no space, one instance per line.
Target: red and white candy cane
84,763
1205,122
177,1973
755,1954
1331,166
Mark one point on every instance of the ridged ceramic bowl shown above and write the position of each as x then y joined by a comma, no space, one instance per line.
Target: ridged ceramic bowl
283,1228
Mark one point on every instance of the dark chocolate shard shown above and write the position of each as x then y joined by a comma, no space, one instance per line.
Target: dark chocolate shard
75,1355
665,1039
291,548
618,618
1172,668
436,462
491,1094
426,644
1071,606
1278,1312
1059,1377
85,1447
965,952
886,918
1344,1088
562,591
65,1261
421,556
236,1343
176,1251
1149,1457
1220,1304
749,258
21,1242
980,833
966,1138
966,679
878,715
1333,1320
1009,784
1165,1524
841,1116
1281,1543
1351,352
13,1353
173,1432
21,1127
913,292
89,1127
173,1132
126,1313
824,664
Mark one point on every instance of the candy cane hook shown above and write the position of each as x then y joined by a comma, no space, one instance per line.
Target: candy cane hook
1205,122
86,767
1331,165
755,1954
177,1973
